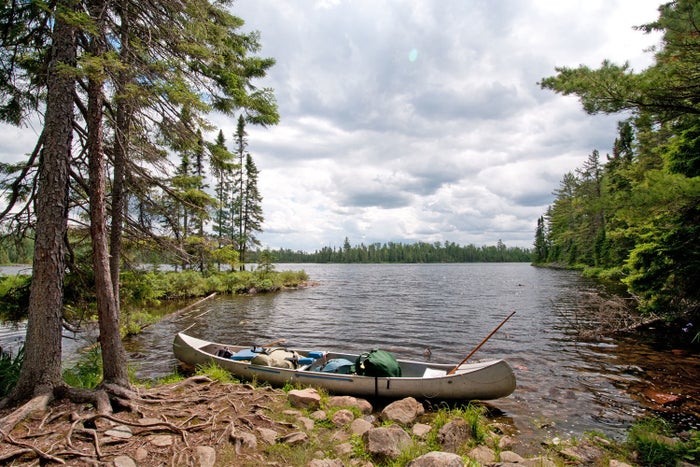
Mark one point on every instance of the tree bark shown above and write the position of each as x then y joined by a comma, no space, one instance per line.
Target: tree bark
41,370
121,149
113,352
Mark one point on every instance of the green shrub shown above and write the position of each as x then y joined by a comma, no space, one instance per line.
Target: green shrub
9,370
87,373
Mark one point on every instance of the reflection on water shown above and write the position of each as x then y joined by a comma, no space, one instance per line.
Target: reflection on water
566,386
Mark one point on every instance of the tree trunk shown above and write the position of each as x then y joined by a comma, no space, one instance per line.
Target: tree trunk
113,352
41,370
121,148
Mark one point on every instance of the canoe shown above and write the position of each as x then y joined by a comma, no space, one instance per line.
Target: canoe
484,380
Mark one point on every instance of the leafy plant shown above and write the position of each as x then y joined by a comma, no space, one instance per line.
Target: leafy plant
87,372
9,370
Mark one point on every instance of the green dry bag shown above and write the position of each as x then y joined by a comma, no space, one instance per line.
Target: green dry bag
377,363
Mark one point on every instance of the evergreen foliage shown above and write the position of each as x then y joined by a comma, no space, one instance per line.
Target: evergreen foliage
419,252
636,216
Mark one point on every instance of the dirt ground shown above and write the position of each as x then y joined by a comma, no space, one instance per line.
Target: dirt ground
168,425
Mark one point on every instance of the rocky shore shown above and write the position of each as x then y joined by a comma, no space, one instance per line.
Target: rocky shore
203,422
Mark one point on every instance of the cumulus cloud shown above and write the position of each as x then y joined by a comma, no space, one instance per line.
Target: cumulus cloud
408,121
423,120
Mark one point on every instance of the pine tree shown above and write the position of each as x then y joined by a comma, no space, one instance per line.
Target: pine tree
252,215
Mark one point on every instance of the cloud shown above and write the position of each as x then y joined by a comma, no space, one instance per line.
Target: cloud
423,120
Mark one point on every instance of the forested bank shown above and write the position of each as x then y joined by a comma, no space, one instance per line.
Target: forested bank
396,252
634,215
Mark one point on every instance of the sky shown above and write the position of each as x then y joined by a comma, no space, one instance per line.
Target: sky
412,121
406,121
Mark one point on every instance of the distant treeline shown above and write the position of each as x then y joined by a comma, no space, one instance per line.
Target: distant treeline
420,252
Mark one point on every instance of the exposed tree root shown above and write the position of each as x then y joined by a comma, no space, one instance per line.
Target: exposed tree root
165,427
8,423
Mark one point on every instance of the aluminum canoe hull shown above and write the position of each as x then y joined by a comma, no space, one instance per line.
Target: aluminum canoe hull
485,380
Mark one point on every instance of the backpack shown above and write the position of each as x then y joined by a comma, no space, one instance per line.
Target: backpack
377,362
338,365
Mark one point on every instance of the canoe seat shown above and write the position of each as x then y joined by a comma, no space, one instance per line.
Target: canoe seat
433,373
245,354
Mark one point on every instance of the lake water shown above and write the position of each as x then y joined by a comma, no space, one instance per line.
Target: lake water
566,386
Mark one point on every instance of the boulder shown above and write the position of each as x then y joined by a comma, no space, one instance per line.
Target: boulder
437,459
296,437
206,456
360,426
386,442
511,457
308,398
421,429
483,454
342,417
453,434
404,411
353,402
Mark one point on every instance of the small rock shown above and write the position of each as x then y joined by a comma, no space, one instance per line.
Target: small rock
326,463
119,431
616,463
453,434
306,423
584,453
483,454
318,415
539,462
140,455
245,440
506,442
161,440
437,459
296,437
269,436
308,398
353,402
421,429
206,456
293,413
511,457
343,449
403,411
386,442
342,417
124,461
360,426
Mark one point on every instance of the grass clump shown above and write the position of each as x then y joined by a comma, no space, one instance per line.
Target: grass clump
650,439
215,372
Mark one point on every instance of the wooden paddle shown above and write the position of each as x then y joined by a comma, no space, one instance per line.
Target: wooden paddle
273,343
480,344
